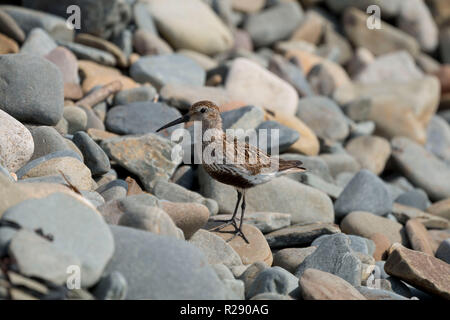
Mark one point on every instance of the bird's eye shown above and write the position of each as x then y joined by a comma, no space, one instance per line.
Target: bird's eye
203,110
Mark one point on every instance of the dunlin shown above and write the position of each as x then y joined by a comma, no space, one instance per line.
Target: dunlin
233,162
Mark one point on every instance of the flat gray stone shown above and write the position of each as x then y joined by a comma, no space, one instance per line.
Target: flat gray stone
273,280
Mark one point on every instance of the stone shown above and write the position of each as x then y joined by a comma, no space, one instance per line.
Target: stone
245,118
379,294
10,28
443,252
248,6
371,152
38,257
334,255
382,245
361,59
312,180
167,69
102,44
404,213
299,235
178,269
112,286
29,19
82,51
116,189
273,280
419,269
418,236
358,244
177,18
319,285
151,219
315,165
182,96
8,45
65,218
67,63
264,221
94,156
215,249
143,93
393,39
438,138
365,224
398,66
16,143
251,272
38,42
440,208
416,198
148,156
101,18
284,18
398,109
148,43
340,162
290,258
189,217
422,168
248,82
324,117
142,17
203,60
308,205
256,250
141,118
46,141
77,173
415,19
76,119
40,85
365,192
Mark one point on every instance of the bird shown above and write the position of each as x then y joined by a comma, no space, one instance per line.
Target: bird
232,161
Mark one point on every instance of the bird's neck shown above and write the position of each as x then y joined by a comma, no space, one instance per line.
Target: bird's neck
212,124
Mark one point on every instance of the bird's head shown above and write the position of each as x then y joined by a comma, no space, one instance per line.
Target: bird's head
205,111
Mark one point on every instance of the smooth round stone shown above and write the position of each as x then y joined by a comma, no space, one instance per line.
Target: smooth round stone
77,173
365,224
46,141
143,18
189,217
440,208
203,60
66,219
116,189
76,119
291,258
284,19
151,219
177,18
438,138
10,27
443,252
93,121
365,192
358,244
16,143
257,250
382,245
215,249
148,43
8,45
141,118
416,198
324,117
41,98
85,52
282,140
371,152
93,197
102,44
167,69
248,82
422,168
143,93
67,63
339,163
273,280
179,270
111,287
94,156
38,42
334,255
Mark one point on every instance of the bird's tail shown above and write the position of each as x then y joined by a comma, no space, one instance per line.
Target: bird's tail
290,166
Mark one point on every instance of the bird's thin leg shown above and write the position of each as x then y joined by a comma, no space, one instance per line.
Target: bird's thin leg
232,220
239,231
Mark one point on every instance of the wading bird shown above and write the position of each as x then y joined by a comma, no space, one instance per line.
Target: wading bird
231,161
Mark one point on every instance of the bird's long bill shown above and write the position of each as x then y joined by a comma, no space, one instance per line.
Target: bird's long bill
184,118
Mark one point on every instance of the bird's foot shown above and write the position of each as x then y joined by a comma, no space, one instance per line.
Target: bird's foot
238,232
225,223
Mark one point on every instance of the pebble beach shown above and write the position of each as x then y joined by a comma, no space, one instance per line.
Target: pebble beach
94,205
